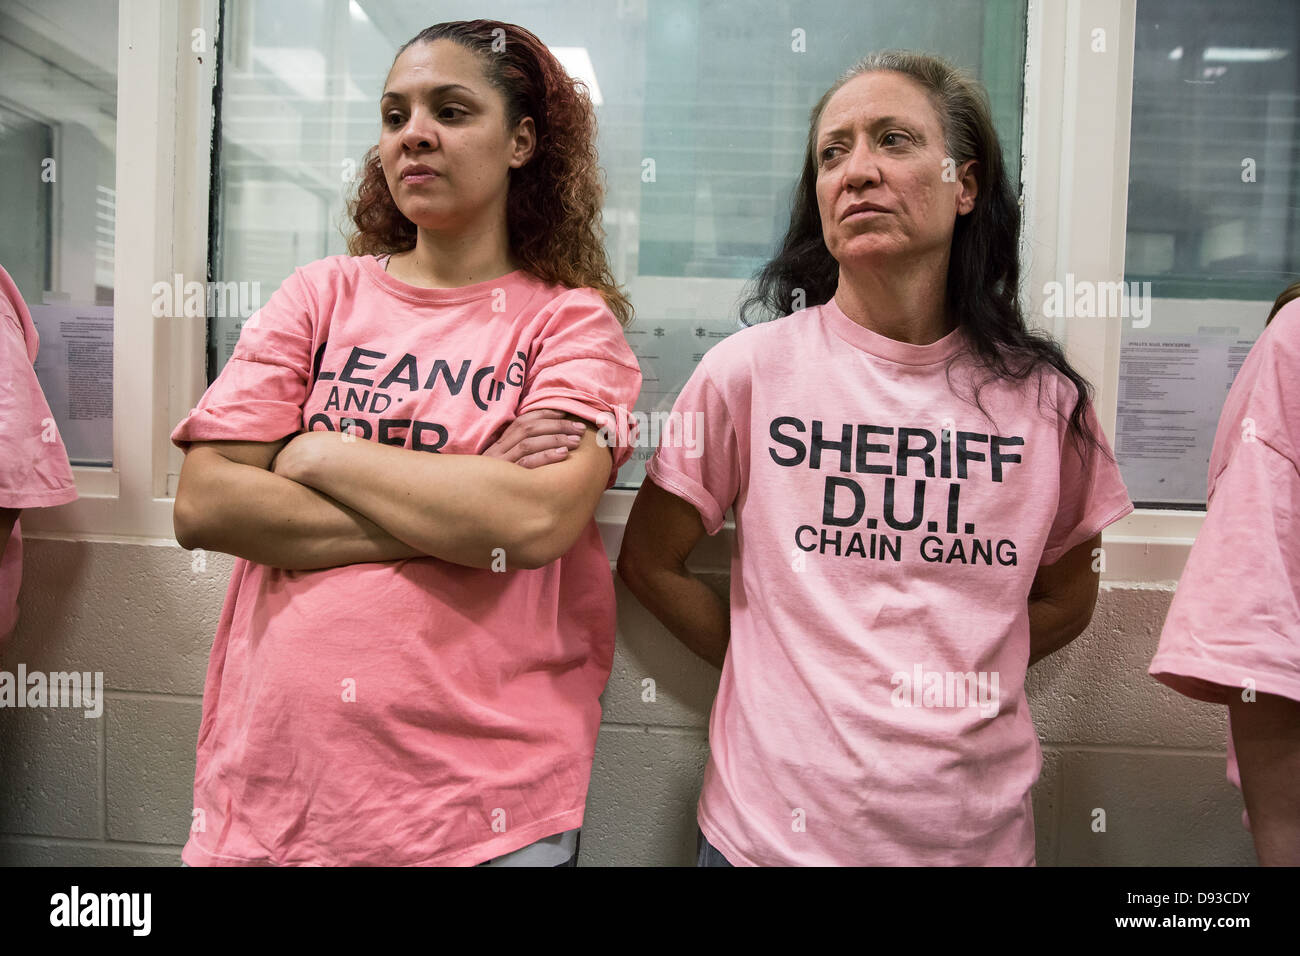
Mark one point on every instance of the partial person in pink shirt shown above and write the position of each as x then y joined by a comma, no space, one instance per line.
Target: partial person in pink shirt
403,454
1232,635
34,468
919,486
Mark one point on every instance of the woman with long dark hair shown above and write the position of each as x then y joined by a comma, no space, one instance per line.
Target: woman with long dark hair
919,486
418,629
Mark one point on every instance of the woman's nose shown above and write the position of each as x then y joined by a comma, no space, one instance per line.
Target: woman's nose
419,132
862,168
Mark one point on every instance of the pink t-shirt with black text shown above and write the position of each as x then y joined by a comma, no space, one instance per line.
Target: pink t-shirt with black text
871,709
413,711
34,468
1234,622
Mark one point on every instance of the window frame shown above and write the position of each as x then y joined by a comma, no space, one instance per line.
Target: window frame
1079,103
1074,98
161,230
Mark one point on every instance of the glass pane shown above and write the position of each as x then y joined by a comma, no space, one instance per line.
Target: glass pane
58,134
727,138
717,95
1212,230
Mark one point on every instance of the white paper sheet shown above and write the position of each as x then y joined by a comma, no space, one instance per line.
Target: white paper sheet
667,349
75,369
1171,393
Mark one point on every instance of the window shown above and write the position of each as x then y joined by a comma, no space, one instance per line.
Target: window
1213,224
701,150
58,131
291,124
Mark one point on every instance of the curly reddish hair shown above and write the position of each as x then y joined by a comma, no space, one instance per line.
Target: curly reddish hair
553,208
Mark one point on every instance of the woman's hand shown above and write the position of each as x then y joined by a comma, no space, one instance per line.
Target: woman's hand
537,438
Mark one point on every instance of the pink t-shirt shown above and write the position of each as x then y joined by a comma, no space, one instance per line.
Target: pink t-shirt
414,711
871,708
34,469
1235,617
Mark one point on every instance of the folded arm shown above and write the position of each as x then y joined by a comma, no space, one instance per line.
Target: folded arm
228,501
467,509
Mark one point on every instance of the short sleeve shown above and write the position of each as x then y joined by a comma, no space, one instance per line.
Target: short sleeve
260,393
34,468
1235,615
698,458
581,364
1092,493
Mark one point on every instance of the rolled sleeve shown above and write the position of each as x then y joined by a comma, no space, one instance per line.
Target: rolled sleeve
581,364
703,468
34,467
1092,492
260,393
1234,621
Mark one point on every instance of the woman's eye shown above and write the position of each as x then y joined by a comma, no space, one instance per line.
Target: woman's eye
897,137
446,113
828,153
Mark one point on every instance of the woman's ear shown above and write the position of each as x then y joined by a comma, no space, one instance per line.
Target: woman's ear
969,187
524,143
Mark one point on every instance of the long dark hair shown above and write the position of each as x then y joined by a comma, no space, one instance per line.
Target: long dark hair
983,267
553,208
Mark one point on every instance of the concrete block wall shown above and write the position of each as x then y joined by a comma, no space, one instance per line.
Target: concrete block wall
117,790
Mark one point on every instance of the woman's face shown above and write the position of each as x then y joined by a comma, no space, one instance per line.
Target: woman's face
885,187
439,111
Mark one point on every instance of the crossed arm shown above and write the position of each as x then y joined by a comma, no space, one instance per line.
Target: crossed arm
323,499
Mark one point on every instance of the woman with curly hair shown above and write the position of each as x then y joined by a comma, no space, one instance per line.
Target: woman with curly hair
412,647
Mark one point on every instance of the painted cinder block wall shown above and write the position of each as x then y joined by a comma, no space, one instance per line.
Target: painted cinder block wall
117,790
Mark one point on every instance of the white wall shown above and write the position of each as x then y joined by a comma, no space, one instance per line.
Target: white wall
117,790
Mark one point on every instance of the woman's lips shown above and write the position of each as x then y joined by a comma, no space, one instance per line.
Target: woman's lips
864,212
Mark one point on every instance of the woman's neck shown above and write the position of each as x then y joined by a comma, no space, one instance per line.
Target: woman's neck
908,304
442,262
